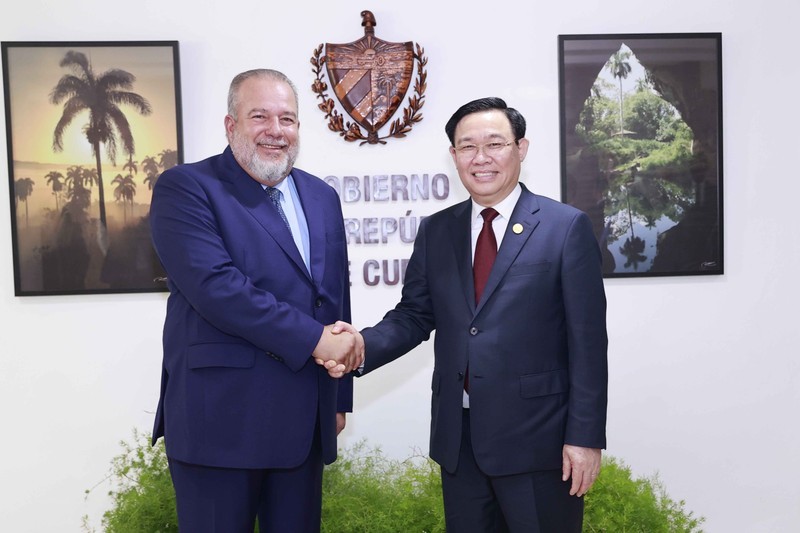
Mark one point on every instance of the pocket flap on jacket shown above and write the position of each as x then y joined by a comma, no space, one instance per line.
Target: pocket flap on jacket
526,269
543,383
224,354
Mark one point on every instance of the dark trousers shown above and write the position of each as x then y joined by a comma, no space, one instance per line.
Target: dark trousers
532,502
227,500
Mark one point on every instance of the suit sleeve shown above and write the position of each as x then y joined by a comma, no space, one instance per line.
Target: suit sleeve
411,321
587,341
344,398
191,248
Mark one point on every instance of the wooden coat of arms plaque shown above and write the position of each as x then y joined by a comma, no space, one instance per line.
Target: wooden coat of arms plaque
370,77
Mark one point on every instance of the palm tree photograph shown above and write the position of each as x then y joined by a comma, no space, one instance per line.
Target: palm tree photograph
641,152
91,127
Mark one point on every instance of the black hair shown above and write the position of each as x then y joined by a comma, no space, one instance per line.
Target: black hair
486,104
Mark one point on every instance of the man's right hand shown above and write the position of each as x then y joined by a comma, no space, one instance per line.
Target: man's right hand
337,368
339,353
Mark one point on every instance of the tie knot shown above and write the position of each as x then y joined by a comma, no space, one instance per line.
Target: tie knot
489,214
274,194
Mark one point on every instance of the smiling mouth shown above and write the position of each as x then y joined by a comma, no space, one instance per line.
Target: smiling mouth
272,146
484,176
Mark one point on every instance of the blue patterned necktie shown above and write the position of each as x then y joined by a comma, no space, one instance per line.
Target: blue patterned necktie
275,196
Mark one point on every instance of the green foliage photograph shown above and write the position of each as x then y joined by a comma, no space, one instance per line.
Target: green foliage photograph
641,122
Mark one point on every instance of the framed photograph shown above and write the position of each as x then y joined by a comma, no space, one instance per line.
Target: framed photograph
641,148
90,127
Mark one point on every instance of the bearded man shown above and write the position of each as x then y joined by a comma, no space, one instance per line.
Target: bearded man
256,260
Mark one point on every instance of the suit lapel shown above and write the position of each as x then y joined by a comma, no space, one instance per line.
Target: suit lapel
253,197
313,208
524,214
460,231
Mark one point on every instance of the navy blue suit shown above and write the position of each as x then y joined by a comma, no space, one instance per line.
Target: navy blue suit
239,388
536,343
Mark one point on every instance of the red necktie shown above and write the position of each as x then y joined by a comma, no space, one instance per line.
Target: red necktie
485,252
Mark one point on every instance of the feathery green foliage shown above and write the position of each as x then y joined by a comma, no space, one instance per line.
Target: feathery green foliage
617,502
366,492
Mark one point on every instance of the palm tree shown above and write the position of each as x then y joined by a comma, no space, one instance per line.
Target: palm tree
77,193
54,179
78,196
90,176
150,168
23,188
168,159
632,250
76,174
131,166
620,68
125,191
100,95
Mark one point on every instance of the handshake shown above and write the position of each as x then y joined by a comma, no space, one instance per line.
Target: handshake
340,349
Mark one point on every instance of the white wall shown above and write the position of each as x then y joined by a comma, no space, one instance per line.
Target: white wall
704,370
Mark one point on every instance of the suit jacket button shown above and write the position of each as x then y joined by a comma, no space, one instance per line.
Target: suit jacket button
460,376
318,303
473,330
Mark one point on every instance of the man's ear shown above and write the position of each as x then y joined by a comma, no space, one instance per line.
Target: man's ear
523,144
230,122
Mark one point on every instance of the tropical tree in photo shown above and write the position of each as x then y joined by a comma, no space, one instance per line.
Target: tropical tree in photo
23,188
124,192
90,176
632,250
101,95
131,166
77,174
151,170
167,159
56,181
598,118
619,67
78,195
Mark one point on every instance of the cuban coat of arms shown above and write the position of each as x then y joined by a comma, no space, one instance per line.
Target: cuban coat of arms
370,78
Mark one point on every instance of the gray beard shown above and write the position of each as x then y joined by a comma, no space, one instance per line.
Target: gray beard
267,172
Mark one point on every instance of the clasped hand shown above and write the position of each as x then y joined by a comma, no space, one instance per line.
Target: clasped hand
340,349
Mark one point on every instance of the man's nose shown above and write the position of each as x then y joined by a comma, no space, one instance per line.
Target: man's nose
481,156
272,126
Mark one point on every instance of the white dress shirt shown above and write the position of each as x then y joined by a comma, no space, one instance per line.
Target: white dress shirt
504,209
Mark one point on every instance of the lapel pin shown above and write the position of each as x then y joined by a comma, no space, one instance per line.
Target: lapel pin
517,228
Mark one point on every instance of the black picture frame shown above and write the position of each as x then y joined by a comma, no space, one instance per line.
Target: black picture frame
85,120
645,166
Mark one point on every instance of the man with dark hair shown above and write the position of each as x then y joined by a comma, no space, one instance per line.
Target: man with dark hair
256,259
512,284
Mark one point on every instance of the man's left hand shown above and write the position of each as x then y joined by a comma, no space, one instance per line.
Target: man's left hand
341,421
583,465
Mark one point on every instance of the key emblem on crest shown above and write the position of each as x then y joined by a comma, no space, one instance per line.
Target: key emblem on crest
370,78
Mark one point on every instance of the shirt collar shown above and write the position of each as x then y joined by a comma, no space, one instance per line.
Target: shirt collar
506,206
